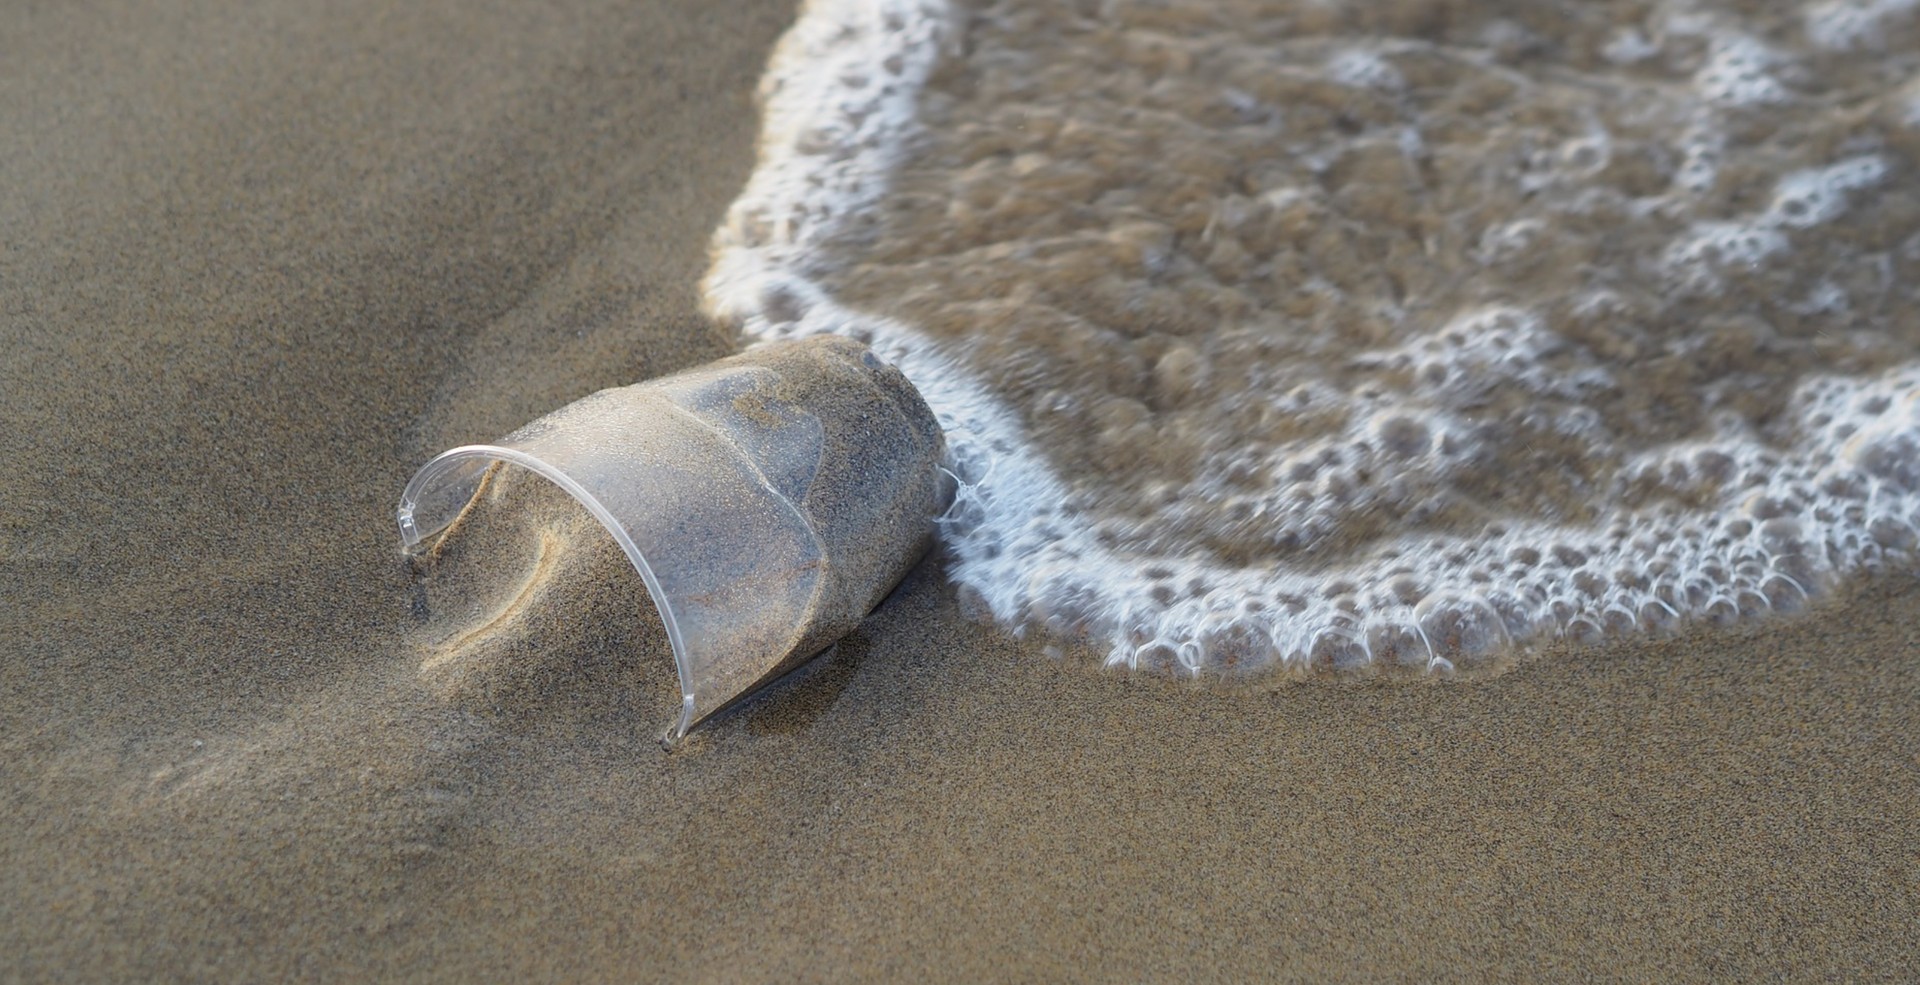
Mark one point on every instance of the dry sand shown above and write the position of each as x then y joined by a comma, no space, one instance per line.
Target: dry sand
260,261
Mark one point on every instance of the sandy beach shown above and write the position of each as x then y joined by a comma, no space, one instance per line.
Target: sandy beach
262,261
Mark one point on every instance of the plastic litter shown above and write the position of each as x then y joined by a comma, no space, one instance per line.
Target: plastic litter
769,500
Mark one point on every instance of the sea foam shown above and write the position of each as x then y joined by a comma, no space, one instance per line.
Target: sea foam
1288,494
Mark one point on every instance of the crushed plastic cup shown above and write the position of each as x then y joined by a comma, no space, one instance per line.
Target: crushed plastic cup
769,501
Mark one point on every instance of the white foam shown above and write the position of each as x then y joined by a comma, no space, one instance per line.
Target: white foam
1702,147
1780,521
1800,200
1814,196
1740,72
1627,46
1365,69
838,102
1485,348
1847,24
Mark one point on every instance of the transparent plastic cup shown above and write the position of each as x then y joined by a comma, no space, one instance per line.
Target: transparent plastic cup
769,500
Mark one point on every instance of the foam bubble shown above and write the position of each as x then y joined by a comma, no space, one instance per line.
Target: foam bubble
1819,195
1366,70
1739,71
1484,348
1702,147
1711,247
1801,200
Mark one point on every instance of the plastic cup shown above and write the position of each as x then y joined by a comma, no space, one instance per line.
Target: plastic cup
769,500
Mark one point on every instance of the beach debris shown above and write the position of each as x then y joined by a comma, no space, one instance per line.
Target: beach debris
769,501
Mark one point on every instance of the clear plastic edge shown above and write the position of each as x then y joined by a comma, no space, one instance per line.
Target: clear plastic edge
413,533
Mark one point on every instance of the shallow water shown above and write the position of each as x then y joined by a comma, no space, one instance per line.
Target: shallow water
1369,334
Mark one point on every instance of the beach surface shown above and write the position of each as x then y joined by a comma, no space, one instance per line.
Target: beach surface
261,261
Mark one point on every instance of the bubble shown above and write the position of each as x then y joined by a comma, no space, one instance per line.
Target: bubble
1392,644
1365,70
1569,555
1463,631
1403,436
1657,616
1159,656
1893,535
1811,197
1782,594
1713,246
1738,73
1336,651
1893,458
1238,646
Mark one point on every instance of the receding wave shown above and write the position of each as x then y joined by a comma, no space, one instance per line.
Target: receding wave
1291,333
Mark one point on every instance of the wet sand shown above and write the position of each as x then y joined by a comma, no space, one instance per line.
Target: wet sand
260,262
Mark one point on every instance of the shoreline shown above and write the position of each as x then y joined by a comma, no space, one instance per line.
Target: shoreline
247,304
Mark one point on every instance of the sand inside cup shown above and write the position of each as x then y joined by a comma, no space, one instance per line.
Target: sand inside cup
529,611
